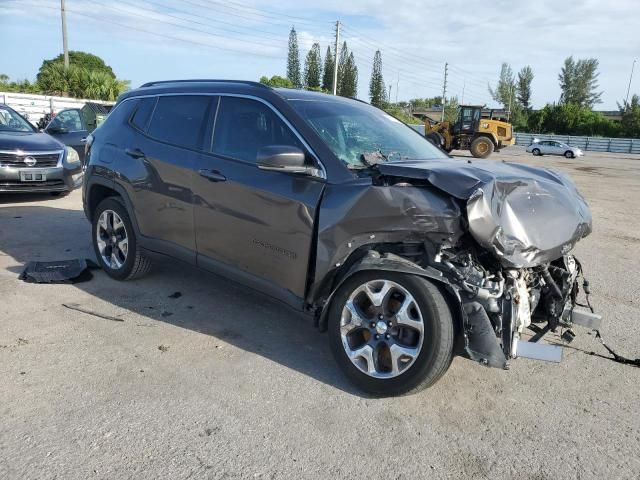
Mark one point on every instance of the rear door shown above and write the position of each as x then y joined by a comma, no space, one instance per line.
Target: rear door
160,168
67,127
251,222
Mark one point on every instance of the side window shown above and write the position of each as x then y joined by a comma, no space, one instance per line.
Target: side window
67,119
180,120
141,116
244,126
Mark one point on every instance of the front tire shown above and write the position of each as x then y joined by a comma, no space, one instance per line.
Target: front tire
115,243
482,147
569,154
391,333
536,152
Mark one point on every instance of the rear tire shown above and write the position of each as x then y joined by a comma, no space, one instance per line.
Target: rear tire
388,371
115,243
482,147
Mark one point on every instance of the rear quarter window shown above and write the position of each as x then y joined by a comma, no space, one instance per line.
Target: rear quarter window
142,114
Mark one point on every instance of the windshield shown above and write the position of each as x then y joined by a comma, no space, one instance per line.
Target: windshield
361,135
10,121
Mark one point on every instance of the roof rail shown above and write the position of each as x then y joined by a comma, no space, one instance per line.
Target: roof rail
204,80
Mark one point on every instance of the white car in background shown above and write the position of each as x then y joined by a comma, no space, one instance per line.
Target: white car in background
551,147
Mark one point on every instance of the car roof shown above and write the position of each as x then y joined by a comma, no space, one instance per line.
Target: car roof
228,86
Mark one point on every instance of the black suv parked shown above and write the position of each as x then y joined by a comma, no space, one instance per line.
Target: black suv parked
31,161
404,254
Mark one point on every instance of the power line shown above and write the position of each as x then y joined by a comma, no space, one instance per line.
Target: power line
266,13
395,66
157,34
198,30
401,54
244,11
273,35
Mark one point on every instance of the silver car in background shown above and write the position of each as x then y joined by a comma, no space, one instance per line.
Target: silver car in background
552,147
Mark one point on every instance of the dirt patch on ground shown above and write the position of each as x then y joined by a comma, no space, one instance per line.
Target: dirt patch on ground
593,170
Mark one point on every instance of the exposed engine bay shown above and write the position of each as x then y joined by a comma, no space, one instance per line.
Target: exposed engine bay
501,303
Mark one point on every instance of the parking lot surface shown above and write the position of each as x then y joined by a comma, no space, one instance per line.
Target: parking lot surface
222,382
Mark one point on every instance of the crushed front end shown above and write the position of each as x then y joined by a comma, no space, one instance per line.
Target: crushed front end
512,270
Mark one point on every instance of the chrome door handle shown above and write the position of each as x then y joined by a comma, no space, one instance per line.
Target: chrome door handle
212,175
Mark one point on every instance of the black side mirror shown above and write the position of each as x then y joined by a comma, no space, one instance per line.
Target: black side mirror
285,158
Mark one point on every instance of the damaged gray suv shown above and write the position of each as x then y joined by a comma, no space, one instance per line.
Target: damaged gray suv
404,255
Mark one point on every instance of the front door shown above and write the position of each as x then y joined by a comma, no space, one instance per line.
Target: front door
68,128
253,222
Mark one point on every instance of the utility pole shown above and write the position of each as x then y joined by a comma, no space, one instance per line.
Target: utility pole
397,86
390,85
444,89
464,85
335,61
626,100
63,14
512,91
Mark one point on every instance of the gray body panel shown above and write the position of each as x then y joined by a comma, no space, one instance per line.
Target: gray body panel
260,222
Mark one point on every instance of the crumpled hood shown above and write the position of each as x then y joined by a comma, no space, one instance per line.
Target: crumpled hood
28,141
524,215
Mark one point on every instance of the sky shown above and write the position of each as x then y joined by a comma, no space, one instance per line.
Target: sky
144,40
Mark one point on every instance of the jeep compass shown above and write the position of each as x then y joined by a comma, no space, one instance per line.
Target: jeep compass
404,255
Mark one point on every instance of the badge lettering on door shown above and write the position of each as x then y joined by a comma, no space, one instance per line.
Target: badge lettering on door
274,248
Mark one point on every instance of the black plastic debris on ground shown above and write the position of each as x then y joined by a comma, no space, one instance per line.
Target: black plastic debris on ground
175,295
63,271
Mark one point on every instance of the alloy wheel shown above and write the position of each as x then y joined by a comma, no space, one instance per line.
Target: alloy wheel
112,239
382,329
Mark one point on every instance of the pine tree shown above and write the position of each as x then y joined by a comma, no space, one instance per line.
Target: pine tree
377,89
525,77
579,82
313,68
350,82
327,73
293,59
505,90
342,70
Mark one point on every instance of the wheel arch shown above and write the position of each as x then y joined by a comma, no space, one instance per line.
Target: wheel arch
100,189
373,260
488,135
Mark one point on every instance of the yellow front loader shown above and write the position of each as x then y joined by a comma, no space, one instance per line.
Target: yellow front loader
482,136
